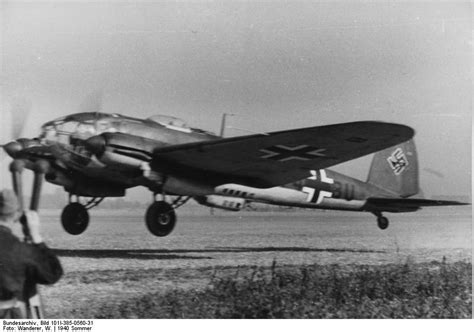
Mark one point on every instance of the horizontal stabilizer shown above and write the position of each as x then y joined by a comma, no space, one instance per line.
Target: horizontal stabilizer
405,204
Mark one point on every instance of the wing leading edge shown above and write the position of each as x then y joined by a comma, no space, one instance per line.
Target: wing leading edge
280,157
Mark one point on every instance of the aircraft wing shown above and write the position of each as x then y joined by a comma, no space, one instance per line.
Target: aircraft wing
268,160
405,204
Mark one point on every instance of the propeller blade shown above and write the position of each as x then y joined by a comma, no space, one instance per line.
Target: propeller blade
20,109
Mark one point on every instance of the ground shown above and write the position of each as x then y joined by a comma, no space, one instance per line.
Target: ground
116,259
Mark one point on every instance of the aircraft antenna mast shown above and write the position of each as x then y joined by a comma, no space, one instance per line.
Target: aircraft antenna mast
224,116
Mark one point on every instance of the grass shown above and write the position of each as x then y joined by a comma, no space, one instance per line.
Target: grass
409,290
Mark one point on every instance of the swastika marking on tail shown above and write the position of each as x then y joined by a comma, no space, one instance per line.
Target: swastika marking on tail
398,161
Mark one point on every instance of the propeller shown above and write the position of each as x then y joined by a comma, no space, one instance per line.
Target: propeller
19,111
21,108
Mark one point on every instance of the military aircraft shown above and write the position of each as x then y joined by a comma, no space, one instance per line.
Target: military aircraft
393,176
94,155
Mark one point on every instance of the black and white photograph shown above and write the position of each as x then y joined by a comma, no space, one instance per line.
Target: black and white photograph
245,160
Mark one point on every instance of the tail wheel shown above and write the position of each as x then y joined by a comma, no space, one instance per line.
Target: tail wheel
75,218
382,222
160,218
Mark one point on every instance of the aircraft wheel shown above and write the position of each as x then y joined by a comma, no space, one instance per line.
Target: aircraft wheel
160,218
75,218
382,222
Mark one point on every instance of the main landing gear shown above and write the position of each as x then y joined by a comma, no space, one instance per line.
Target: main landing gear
160,217
382,221
75,217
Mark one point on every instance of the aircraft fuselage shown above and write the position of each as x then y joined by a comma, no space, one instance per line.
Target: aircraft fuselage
324,189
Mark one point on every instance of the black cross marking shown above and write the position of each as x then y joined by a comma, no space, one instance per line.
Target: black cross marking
285,153
321,187
318,184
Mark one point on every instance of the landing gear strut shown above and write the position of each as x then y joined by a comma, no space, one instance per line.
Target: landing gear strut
160,217
75,217
382,221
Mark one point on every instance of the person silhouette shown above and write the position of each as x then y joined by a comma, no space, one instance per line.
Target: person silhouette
23,265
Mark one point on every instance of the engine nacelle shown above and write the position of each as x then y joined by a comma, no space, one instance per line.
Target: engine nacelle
221,202
122,150
78,185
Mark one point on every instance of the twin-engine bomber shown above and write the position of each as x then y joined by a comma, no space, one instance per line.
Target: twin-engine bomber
97,155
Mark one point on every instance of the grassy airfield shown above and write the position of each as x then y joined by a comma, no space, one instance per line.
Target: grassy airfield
328,265
410,290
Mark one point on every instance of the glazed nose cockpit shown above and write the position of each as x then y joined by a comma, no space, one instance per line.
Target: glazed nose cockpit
79,126
62,132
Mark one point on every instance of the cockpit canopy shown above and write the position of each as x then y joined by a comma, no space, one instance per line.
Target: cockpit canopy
81,125
85,125
166,120
174,123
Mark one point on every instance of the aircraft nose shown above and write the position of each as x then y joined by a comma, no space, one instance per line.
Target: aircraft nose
13,148
96,144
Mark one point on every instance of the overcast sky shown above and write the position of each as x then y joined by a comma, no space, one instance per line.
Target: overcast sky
277,65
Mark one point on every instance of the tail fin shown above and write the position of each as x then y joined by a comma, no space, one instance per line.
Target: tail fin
396,169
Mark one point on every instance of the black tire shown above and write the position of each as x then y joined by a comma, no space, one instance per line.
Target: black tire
160,218
382,222
75,218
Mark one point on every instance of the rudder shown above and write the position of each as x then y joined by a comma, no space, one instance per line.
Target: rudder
396,169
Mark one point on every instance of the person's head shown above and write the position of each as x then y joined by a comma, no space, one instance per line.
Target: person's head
9,208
